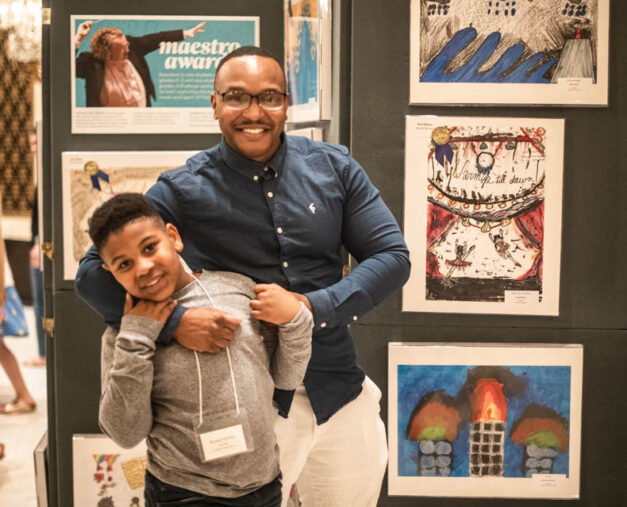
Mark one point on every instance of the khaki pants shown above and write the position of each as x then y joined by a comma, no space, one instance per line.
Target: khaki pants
340,463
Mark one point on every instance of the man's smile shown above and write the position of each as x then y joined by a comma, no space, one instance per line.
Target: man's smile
254,129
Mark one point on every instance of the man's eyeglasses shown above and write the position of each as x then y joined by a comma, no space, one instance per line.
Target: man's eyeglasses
269,100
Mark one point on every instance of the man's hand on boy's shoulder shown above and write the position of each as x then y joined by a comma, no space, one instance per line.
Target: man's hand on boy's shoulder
206,329
274,304
155,310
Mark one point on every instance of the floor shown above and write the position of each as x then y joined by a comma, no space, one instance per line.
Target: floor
21,433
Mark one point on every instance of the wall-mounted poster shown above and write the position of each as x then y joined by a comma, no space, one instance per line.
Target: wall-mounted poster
150,74
484,420
524,52
92,178
105,474
483,208
308,52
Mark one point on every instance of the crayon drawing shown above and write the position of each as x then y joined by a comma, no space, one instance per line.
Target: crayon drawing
105,475
534,51
472,421
477,207
92,178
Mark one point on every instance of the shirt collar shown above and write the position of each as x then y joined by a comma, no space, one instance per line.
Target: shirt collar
250,168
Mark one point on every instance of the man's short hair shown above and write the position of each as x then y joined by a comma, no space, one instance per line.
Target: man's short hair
245,51
99,43
118,211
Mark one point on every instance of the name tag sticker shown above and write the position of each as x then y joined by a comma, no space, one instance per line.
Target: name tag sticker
223,442
223,434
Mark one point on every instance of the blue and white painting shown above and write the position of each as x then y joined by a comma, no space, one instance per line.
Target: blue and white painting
558,43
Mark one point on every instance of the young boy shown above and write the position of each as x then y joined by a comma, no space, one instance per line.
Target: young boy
208,419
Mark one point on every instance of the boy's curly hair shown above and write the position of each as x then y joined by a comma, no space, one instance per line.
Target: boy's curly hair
118,211
99,43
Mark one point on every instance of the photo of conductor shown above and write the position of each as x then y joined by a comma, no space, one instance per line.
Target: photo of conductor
115,71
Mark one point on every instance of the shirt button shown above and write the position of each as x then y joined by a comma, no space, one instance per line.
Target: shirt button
285,264
270,195
323,324
265,169
354,317
279,230
256,178
276,175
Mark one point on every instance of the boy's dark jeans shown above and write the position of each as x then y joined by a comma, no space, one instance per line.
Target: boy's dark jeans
160,494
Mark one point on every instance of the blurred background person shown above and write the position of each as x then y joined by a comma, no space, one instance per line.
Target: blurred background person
13,324
36,273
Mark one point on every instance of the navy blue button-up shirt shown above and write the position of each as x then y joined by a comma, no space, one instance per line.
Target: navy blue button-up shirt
282,222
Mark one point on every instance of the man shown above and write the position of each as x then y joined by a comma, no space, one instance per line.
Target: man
279,209
115,71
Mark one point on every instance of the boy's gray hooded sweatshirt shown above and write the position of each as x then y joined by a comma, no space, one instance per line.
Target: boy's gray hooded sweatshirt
151,391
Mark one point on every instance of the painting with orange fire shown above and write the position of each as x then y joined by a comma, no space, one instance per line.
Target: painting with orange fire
482,422
482,214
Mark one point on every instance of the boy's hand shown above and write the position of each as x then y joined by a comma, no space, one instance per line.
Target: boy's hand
303,299
155,310
274,304
206,329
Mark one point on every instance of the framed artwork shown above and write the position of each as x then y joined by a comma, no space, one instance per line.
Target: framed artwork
484,420
159,72
483,208
105,474
92,178
308,50
522,52
41,471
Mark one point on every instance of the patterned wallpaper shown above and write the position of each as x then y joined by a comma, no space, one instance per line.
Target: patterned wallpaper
16,161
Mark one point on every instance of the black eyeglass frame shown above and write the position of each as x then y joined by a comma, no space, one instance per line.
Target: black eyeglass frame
251,97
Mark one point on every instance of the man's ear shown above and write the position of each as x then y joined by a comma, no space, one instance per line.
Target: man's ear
286,105
105,267
174,237
214,105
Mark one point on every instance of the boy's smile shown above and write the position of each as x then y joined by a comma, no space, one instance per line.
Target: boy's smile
143,258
